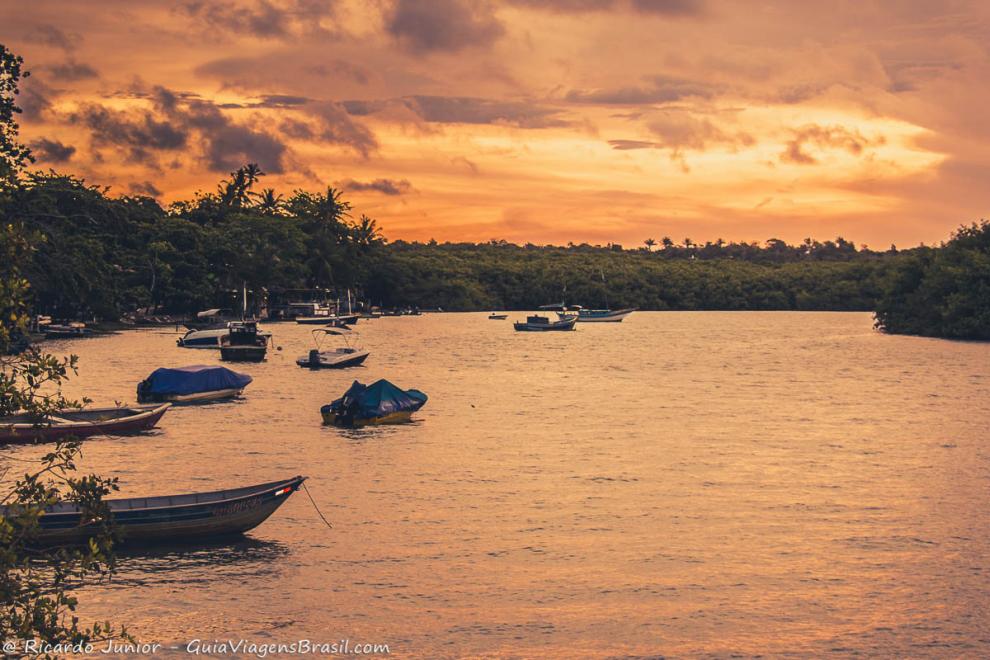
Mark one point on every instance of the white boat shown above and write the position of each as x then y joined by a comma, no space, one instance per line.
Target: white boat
604,315
339,358
209,338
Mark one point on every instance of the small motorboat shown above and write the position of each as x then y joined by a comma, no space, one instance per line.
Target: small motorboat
378,403
67,331
604,315
23,429
497,317
542,323
168,518
340,358
244,343
193,384
210,319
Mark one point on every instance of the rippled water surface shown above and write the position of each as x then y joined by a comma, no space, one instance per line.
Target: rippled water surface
678,484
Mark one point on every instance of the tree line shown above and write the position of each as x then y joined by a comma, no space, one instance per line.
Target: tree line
100,255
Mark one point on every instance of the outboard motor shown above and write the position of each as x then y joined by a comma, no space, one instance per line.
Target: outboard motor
314,358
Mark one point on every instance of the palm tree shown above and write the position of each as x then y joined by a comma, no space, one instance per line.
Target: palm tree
649,243
236,192
269,202
367,232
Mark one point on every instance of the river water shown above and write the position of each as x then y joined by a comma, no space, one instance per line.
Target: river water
679,484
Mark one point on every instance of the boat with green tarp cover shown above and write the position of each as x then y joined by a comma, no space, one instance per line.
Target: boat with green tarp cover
378,403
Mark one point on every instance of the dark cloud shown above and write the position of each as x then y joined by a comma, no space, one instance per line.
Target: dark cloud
627,145
463,110
261,18
825,137
175,122
337,127
139,134
51,151
49,35
659,7
383,186
426,26
658,89
669,7
566,6
35,98
145,188
72,71
271,101
340,68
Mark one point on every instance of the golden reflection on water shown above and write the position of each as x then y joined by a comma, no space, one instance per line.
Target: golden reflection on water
680,484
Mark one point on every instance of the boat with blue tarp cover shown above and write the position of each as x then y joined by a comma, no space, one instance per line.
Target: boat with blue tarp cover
168,518
191,384
379,403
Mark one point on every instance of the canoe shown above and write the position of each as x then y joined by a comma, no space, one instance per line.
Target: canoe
497,317
19,429
172,518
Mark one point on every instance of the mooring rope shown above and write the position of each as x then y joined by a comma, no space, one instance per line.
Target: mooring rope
325,521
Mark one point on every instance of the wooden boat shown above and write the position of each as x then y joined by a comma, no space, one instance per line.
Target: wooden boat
340,358
604,315
20,429
544,324
171,518
497,317
193,384
243,343
378,403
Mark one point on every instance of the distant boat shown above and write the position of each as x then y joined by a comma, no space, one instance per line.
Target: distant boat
169,518
378,403
21,429
210,338
544,324
194,384
604,315
67,331
497,317
340,358
244,343
210,319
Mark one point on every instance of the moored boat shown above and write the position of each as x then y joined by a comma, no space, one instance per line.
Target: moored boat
339,358
497,317
538,323
210,337
67,331
168,518
192,384
604,315
379,403
244,343
22,429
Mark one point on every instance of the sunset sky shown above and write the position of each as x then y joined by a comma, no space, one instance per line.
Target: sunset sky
531,120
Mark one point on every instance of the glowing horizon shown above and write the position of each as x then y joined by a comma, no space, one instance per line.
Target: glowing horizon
576,121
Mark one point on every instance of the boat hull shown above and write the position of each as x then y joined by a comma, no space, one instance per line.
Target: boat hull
96,421
198,397
401,417
556,326
243,353
177,518
334,361
603,316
